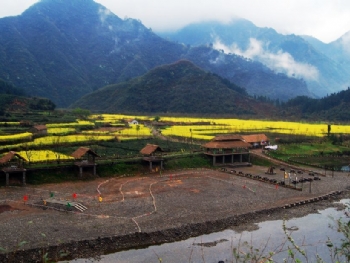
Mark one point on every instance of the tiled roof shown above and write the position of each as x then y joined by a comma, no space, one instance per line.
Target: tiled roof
82,151
255,138
41,127
229,137
9,156
150,148
226,144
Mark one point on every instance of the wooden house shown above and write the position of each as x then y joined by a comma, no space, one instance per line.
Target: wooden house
39,129
153,155
228,149
85,158
256,140
12,163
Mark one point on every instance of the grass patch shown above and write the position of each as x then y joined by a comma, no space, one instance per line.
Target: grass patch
190,161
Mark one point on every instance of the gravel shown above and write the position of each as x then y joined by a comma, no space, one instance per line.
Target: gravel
147,210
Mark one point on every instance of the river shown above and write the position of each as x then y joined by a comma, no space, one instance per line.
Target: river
309,232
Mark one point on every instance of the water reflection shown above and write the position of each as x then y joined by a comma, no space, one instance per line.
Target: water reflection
309,232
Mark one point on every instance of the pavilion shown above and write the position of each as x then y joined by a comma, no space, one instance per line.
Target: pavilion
228,149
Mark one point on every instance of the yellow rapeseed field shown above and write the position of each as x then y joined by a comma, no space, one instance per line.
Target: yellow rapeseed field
70,124
13,137
219,126
43,155
56,131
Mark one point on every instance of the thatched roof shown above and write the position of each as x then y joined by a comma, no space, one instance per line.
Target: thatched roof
9,156
255,138
150,148
227,142
82,151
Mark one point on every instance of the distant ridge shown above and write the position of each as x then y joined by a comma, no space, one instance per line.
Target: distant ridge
180,87
324,67
64,49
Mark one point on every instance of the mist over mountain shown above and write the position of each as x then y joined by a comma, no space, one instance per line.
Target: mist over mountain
338,50
64,49
300,57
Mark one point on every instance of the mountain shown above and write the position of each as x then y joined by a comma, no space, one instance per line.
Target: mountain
338,50
65,49
181,87
289,54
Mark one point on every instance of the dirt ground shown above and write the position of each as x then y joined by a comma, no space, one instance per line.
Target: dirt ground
120,206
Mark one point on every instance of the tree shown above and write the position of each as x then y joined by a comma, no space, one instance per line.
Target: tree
82,113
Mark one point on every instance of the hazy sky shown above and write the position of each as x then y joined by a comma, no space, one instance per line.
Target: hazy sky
326,20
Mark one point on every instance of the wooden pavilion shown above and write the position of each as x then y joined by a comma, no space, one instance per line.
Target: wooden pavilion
12,163
228,149
85,158
153,154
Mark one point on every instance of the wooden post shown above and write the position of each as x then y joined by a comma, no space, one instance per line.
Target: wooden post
94,169
80,171
310,188
7,179
24,178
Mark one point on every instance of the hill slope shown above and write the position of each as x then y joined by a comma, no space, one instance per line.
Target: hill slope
335,107
180,87
63,49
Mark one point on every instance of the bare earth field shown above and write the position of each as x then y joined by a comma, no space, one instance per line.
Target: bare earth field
145,210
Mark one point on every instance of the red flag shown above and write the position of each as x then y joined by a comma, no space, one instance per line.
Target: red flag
244,186
74,195
25,198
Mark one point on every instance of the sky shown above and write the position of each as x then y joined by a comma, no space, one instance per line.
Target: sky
326,20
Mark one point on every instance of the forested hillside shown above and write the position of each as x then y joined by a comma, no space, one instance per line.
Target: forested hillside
335,107
180,87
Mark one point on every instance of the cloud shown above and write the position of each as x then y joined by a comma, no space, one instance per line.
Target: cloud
280,62
345,42
104,13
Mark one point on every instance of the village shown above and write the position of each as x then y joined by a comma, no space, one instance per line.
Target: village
157,206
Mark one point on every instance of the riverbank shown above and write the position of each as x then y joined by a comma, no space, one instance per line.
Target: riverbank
142,211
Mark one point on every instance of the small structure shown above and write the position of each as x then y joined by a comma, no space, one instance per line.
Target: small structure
256,140
39,129
89,160
133,122
152,154
11,163
228,149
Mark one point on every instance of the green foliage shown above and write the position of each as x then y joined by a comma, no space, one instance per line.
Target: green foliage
9,89
180,87
334,107
41,104
81,113
191,161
